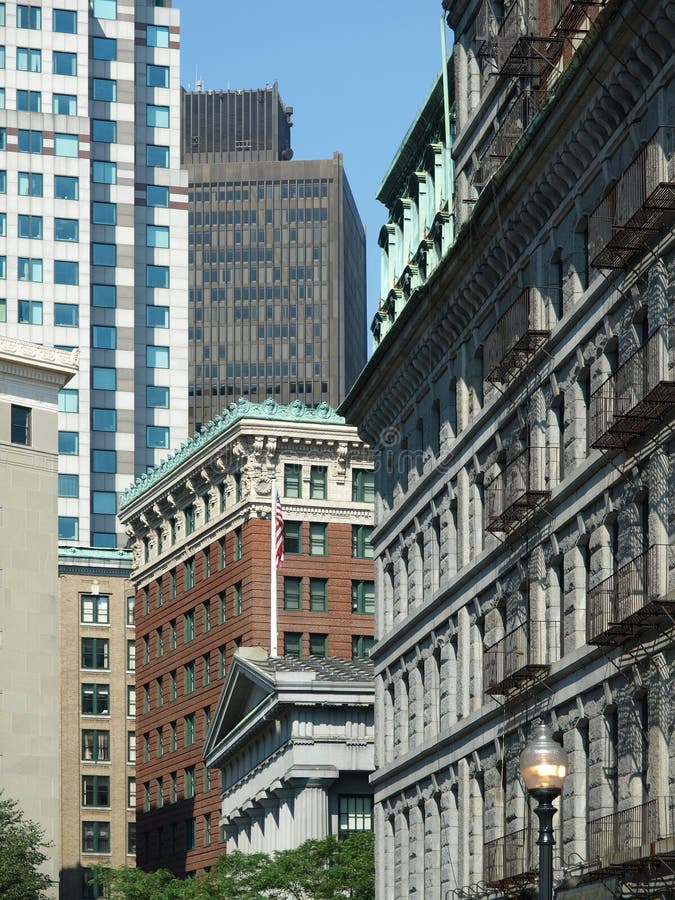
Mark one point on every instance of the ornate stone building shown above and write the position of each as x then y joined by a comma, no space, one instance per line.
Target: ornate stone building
199,526
520,409
293,739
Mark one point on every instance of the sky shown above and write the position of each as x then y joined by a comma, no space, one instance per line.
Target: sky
356,73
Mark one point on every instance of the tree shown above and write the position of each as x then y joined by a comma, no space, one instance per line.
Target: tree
317,870
22,846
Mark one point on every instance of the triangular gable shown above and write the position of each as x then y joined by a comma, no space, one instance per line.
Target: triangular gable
246,692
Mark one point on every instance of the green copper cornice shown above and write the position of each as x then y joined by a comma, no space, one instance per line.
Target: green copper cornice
94,553
270,410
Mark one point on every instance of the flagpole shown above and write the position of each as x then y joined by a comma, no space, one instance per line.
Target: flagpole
273,573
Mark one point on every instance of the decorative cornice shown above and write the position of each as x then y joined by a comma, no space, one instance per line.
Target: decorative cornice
242,409
28,353
476,267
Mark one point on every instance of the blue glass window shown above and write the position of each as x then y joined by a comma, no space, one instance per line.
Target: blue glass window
157,437
103,378
157,276
29,141
29,269
105,539
28,17
105,9
66,272
103,419
104,172
64,104
104,213
157,156
104,89
69,400
103,461
69,528
29,101
157,397
29,312
66,145
104,48
30,184
65,20
157,36
104,295
157,316
30,227
157,235
103,337
28,59
69,443
157,116
66,187
63,63
67,314
104,503
69,485
156,195
66,229
104,254
157,76
157,357
104,130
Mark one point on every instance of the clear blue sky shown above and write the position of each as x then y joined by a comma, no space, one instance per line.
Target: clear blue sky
356,72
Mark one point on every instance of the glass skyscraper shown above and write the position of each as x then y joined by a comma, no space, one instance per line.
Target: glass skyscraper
93,213
277,283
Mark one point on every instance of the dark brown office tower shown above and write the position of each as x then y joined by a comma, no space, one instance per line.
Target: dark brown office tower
277,259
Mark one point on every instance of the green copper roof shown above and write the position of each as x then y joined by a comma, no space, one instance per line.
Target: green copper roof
94,553
296,411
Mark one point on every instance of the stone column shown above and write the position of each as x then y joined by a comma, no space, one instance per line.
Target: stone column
448,840
416,705
432,847
416,850
285,833
243,823
257,833
311,811
270,806
401,856
448,683
432,691
576,585
401,722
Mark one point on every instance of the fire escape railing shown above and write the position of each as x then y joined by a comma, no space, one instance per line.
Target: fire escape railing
631,599
515,338
520,488
520,658
638,206
632,836
525,47
513,858
637,396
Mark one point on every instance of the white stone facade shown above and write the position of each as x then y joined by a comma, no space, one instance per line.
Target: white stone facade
294,742
81,81
521,412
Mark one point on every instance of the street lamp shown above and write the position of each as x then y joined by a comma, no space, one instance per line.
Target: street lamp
543,768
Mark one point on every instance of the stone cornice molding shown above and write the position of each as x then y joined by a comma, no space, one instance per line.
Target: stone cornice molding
20,358
474,270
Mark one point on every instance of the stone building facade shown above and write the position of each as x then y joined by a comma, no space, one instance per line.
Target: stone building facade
31,377
97,651
293,739
199,526
520,410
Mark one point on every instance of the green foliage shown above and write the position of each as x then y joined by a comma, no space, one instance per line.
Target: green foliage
22,846
317,870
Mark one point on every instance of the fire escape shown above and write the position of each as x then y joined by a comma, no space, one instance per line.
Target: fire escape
638,208
529,48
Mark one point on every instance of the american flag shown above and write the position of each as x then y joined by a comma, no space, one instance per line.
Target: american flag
279,530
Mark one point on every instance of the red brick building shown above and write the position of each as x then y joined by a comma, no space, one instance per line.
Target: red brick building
200,528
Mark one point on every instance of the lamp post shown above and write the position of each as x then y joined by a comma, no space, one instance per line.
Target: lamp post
543,768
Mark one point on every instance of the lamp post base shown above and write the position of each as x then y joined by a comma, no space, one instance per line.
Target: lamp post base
546,839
